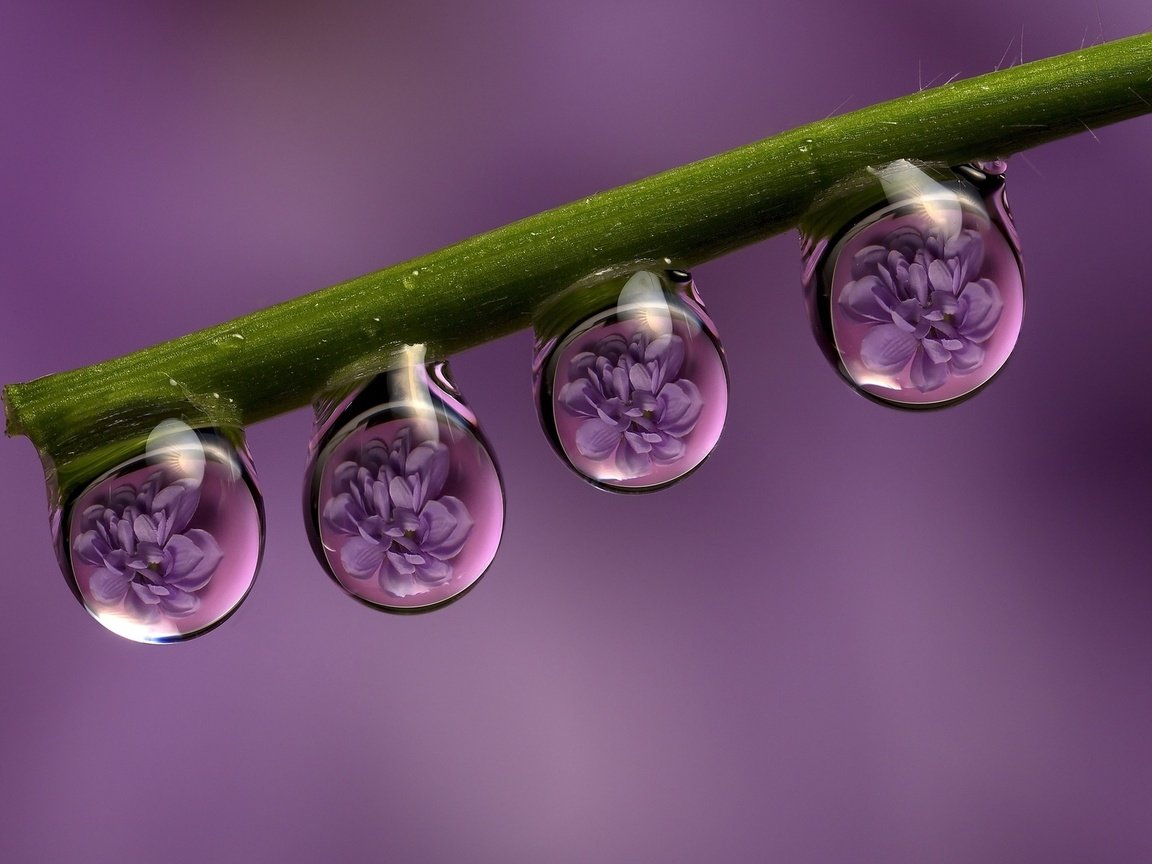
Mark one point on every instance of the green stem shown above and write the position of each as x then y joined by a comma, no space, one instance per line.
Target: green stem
277,359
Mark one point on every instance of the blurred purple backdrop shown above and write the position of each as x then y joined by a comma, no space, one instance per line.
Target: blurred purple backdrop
853,635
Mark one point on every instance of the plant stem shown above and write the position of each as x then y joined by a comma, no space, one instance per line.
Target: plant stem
279,358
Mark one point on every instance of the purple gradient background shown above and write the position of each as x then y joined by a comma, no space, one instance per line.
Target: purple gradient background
853,635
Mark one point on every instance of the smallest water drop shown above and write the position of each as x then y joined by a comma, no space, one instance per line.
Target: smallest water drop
403,501
165,544
630,380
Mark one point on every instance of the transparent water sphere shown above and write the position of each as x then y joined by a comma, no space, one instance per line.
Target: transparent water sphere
630,380
914,282
165,546
404,503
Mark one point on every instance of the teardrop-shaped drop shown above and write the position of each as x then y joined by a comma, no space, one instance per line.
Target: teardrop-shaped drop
914,282
404,504
166,544
630,380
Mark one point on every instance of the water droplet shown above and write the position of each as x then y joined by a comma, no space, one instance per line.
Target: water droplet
403,501
165,545
630,380
913,279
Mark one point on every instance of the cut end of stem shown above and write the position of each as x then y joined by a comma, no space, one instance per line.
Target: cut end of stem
13,427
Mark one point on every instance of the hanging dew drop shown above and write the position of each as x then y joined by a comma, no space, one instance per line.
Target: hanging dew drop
165,545
404,504
630,380
913,279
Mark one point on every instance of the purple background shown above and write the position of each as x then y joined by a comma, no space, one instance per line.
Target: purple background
853,635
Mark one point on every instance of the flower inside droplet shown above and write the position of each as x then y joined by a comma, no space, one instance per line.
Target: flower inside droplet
921,316
634,408
635,394
918,299
167,545
404,503
399,526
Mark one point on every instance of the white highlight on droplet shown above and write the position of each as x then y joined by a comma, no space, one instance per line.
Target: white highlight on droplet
642,298
174,443
902,180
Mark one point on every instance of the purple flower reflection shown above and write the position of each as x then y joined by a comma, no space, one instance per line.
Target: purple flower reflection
921,292
634,404
400,528
146,556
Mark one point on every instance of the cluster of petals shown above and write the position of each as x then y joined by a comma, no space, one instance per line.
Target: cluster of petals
634,405
929,307
146,557
399,526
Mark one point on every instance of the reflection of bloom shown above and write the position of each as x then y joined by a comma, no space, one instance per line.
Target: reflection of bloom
399,526
632,401
146,556
921,292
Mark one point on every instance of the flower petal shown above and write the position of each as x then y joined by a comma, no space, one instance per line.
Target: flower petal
887,349
179,500
196,555
433,572
863,300
142,593
125,535
580,397
381,500
668,450
141,610
637,442
906,316
640,377
447,525
632,463
184,556
401,493
968,246
612,347
107,586
926,375
343,514
361,558
979,310
936,352
431,461
918,281
91,548
179,604
399,562
667,351
619,384
679,406
940,277
144,529
596,439
400,584
968,358
345,474
866,258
